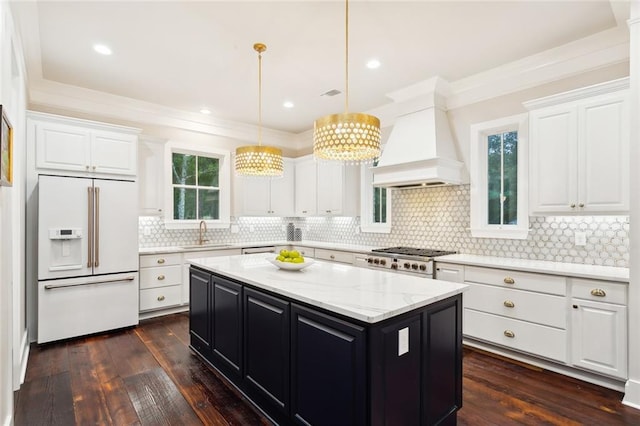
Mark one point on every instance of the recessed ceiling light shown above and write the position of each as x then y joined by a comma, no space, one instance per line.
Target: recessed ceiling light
288,104
102,49
205,111
373,64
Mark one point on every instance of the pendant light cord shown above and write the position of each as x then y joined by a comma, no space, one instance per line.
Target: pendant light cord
346,57
259,98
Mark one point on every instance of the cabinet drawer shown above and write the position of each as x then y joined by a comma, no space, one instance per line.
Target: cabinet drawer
334,256
161,297
151,260
163,276
601,291
524,305
527,337
519,280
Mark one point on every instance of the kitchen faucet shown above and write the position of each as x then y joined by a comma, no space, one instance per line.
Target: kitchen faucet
203,230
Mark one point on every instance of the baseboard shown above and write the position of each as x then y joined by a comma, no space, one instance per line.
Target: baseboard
632,394
24,359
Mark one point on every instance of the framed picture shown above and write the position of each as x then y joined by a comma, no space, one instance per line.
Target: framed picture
6,150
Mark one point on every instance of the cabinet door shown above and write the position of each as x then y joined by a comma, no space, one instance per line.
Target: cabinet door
305,188
328,384
150,177
199,311
282,190
603,168
330,188
266,347
253,196
599,337
62,147
114,153
553,163
226,338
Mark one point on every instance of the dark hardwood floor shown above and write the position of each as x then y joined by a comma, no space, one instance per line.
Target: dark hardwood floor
148,376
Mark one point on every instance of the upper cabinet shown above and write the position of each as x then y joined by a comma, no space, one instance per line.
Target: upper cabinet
579,151
257,196
326,188
76,145
151,176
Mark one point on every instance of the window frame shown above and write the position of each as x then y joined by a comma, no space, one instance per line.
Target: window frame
367,224
478,169
224,186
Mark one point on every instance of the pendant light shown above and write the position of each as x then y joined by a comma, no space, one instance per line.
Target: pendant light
349,137
259,160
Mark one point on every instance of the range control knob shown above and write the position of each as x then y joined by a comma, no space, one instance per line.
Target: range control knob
414,266
376,261
383,262
423,267
407,265
370,260
394,266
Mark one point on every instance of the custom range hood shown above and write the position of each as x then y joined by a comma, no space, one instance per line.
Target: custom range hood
420,151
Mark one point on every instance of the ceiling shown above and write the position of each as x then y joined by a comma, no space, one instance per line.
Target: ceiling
190,55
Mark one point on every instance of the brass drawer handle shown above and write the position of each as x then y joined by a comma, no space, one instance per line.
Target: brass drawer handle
332,257
598,292
509,280
573,205
160,298
161,261
160,277
581,205
509,304
510,334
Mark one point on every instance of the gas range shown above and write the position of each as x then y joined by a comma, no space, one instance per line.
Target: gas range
408,260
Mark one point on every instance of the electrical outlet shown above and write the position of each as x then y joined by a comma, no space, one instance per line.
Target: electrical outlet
580,238
147,231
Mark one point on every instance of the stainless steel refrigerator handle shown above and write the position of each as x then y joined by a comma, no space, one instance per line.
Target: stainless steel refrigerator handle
115,280
90,227
97,236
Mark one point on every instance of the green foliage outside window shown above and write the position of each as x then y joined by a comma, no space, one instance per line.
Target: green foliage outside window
196,192
503,178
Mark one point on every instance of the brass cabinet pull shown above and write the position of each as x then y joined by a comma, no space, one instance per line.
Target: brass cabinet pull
509,280
581,205
332,257
160,298
598,292
509,304
510,334
160,277
304,211
328,211
573,205
160,261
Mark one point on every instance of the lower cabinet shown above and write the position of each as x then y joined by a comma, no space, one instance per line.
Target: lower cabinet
305,366
328,362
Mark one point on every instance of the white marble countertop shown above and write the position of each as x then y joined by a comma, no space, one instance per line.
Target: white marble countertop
368,295
609,273
225,246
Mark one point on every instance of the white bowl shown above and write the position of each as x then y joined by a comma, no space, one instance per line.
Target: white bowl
288,266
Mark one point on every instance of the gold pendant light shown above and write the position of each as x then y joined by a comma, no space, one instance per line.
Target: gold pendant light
350,137
259,160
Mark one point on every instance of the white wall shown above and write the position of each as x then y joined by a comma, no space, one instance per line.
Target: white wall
13,331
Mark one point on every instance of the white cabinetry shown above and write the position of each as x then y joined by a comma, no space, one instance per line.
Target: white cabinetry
599,327
160,281
335,255
326,189
579,151
449,272
83,146
255,196
151,176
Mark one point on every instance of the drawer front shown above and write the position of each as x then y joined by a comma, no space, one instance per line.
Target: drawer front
152,260
518,280
334,256
161,297
600,291
160,277
211,253
523,305
527,337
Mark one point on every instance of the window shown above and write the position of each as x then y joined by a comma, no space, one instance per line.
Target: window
375,204
498,179
198,187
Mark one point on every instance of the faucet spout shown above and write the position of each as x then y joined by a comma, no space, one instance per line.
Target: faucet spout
202,232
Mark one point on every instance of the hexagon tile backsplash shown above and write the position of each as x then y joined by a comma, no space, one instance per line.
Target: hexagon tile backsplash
435,218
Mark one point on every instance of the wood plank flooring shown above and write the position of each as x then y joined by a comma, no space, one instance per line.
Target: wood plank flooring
148,376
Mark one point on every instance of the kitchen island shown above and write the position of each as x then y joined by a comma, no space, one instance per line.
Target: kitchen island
330,344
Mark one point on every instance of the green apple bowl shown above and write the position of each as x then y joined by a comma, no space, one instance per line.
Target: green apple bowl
289,266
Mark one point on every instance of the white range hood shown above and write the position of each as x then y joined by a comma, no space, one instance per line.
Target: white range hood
420,150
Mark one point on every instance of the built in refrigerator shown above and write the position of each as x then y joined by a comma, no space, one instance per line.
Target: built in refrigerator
87,256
